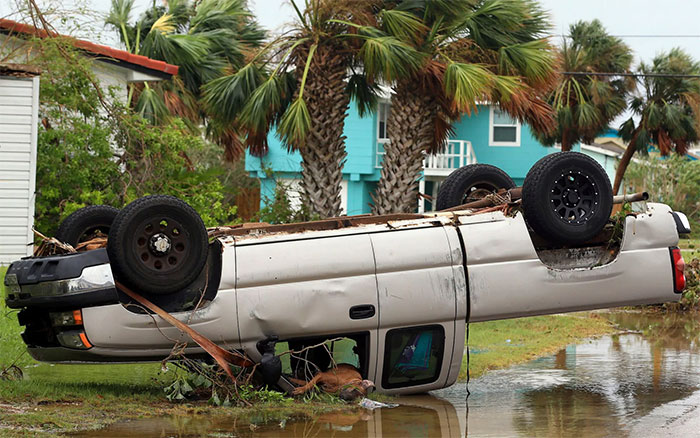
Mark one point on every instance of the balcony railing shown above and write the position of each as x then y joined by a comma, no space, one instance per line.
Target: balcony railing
457,153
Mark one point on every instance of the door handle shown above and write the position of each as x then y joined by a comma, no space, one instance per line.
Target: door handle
362,311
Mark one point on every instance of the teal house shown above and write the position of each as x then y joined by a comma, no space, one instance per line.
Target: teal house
486,136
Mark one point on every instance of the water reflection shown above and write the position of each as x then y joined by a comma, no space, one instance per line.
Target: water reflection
616,385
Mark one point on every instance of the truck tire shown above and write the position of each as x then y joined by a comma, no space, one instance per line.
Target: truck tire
86,223
567,198
157,244
471,183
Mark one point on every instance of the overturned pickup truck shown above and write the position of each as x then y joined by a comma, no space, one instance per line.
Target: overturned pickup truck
395,292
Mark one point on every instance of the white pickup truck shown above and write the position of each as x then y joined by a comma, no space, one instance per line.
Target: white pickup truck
398,289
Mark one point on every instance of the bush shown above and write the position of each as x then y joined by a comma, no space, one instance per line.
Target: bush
93,150
672,180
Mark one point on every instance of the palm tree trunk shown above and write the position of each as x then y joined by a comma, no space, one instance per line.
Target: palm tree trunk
565,141
323,154
625,161
411,129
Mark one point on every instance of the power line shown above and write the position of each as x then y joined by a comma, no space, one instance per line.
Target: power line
642,36
650,75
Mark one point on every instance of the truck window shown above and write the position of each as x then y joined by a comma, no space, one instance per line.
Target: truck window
413,356
349,349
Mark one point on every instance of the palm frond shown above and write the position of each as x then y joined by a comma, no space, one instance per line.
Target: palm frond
535,60
263,102
388,58
295,123
164,24
364,93
402,25
467,83
225,97
150,106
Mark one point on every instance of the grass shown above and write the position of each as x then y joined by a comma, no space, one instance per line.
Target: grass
500,344
54,399
690,247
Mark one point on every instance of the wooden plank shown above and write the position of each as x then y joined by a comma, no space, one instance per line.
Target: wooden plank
14,166
14,156
6,231
10,253
15,203
16,100
13,194
14,222
6,184
19,82
23,110
15,240
14,212
6,128
16,138
14,147
14,175
13,119
15,91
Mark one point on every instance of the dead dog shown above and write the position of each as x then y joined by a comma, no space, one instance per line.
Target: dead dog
344,380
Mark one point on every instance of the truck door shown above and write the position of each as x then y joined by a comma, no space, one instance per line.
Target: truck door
418,273
308,288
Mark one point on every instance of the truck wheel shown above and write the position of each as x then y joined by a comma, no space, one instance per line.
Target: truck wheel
157,244
567,197
86,224
471,183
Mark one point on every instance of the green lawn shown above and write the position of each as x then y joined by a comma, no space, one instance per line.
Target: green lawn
500,344
690,248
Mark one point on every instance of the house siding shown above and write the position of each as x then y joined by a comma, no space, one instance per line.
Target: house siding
360,171
19,103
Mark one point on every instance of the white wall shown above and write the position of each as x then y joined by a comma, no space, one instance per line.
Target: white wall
19,104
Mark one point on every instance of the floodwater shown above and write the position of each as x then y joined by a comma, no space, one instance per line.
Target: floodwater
645,382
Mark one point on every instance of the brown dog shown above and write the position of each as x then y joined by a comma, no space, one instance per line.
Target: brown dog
344,380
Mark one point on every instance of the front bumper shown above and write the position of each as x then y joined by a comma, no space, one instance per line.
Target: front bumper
61,282
51,291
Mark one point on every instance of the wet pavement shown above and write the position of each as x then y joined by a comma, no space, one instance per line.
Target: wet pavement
645,382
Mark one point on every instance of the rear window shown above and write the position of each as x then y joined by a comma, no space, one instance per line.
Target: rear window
413,356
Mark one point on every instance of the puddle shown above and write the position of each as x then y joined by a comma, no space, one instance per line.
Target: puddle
641,383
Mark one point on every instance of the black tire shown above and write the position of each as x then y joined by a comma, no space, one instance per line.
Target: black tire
567,198
86,223
157,244
470,183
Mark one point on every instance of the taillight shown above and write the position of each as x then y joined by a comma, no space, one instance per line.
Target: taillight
678,269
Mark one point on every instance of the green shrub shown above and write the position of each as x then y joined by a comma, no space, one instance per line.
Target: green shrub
672,180
93,150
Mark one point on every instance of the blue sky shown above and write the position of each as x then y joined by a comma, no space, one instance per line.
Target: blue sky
621,17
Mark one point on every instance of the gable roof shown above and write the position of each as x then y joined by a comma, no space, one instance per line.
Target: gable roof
137,62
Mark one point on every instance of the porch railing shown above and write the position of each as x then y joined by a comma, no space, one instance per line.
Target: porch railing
456,153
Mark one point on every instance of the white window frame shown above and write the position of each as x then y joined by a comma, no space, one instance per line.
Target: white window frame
385,139
492,125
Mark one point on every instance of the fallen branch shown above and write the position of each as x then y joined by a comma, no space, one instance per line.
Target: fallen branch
221,356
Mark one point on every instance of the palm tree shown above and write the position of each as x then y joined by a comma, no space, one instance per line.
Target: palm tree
489,50
587,104
206,39
667,109
301,84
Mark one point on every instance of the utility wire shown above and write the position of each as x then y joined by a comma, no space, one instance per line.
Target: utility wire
650,75
642,36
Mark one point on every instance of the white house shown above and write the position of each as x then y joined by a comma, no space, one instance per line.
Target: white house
19,104
19,107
